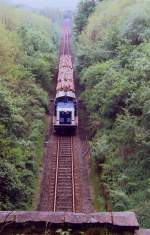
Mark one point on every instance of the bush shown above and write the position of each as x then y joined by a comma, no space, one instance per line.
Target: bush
27,60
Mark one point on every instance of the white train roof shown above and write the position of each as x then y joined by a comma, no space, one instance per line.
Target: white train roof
60,94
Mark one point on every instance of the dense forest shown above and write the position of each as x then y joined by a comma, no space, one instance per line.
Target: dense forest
113,60
28,56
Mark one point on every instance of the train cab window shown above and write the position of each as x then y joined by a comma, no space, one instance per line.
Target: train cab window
65,117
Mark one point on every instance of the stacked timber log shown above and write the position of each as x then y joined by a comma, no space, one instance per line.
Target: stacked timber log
65,76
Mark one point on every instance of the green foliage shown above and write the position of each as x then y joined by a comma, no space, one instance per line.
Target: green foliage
85,9
113,60
27,60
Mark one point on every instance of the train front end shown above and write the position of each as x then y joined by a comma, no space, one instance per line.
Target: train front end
65,114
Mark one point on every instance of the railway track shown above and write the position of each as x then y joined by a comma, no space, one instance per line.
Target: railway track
63,159
63,172
65,43
64,181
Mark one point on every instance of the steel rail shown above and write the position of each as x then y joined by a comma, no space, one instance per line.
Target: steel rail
73,177
63,44
67,43
56,176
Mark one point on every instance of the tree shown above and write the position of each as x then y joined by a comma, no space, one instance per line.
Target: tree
113,61
27,58
85,9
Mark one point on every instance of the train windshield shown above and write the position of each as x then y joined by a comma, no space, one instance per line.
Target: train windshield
65,117
66,112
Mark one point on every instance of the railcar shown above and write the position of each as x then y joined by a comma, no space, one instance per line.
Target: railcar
65,116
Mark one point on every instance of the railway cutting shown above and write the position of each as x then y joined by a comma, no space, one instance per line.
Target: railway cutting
65,184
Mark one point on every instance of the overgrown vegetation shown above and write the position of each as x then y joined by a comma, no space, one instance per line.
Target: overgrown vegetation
114,65
27,60
85,9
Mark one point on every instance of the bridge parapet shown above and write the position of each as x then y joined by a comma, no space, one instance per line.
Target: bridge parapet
51,223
